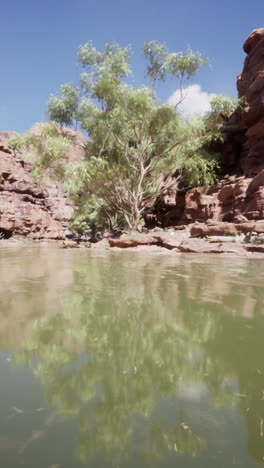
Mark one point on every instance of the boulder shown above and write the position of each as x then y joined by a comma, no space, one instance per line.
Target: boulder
127,241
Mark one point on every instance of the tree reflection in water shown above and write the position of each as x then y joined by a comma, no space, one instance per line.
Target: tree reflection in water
122,342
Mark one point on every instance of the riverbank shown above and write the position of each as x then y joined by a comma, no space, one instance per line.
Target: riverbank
221,238
228,239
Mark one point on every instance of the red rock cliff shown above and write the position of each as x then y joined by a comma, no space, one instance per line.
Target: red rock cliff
240,193
28,208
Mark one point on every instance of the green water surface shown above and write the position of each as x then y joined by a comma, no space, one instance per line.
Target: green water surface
130,359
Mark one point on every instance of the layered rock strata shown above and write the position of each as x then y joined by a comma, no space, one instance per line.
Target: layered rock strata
240,192
28,208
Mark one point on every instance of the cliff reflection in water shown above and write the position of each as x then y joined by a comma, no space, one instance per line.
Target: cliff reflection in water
133,332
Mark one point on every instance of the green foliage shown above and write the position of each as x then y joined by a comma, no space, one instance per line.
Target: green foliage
46,149
90,212
137,148
16,142
226,105
176,64
222,107
146,144
113,60
135,144
64,110
155,52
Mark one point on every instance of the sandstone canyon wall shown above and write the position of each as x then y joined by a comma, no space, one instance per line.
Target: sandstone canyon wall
240,192
29,208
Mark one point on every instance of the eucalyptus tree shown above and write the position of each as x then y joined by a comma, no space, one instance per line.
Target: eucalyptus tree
137,147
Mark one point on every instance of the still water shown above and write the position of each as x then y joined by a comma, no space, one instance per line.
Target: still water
130,360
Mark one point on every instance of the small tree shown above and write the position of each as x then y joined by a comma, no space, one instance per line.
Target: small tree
137,148
135,144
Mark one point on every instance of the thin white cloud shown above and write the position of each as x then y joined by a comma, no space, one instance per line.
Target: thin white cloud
195,100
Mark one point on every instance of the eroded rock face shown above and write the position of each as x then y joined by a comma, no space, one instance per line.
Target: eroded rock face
250,84
240,193
231,199
244,132
27,207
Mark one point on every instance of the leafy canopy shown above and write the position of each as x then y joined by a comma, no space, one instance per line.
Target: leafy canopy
137,148
176,64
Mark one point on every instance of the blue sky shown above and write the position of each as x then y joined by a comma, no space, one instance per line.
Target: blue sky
39,40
